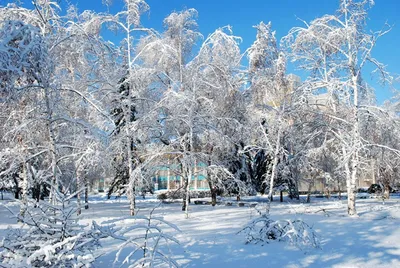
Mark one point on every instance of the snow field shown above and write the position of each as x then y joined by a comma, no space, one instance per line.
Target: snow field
209,238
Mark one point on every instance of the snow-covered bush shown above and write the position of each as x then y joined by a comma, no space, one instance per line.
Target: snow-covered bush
296,232
50,237
143,241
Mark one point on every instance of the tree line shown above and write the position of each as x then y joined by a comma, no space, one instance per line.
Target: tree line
75,106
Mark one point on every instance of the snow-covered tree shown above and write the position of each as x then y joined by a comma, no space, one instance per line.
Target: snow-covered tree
51,103
381,127
336,49
134,100
270,100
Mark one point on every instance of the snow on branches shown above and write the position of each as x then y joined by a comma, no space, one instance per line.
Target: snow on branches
295,232
50,237
23,55
143,240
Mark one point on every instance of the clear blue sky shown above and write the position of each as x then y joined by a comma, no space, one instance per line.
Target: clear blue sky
283,14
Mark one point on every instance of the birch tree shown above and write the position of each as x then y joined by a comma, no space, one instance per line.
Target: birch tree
336,49
48,59
382,162
177,106
133,83
196,90
219,80
25,67
270,97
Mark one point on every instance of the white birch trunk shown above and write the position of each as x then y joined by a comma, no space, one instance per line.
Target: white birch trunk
79,177
53,147
355,139
352,190
131,185
24,190
275,162
351,186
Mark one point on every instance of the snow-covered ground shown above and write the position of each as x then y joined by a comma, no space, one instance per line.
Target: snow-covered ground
209,238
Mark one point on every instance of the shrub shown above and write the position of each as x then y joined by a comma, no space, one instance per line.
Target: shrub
295,232
53,237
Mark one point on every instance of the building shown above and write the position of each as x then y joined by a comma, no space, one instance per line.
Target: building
168,177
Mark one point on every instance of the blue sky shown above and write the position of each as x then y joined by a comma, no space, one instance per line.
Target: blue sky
283,14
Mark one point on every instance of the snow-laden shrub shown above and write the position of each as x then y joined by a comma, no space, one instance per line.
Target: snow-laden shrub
50,236
264,230
143,243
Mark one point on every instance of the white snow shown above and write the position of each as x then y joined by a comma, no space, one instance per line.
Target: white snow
209,238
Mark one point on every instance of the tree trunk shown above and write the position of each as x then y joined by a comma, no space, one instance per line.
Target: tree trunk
385,175
275,163
352,190
44,191
213,196
36,192
213,189
79,177
351,199
131,192
86,194
184,199
187,192
17,189
309,192
294,187
340,191
132,203
53,147
350,180
35,187
24,191
386,191
132,198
